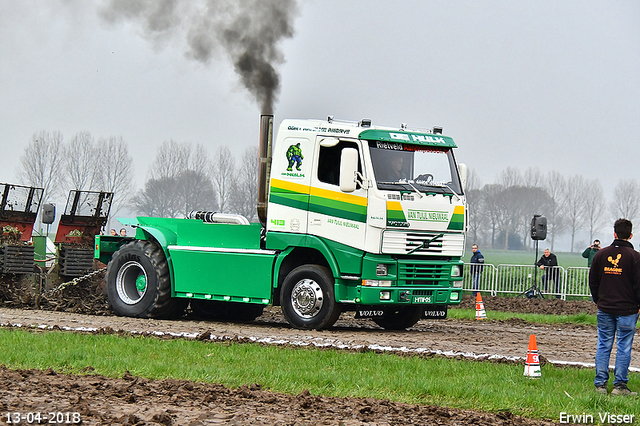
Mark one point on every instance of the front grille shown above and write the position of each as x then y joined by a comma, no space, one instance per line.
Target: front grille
422,292
423,274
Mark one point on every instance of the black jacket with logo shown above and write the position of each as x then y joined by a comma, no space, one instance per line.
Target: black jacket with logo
614,279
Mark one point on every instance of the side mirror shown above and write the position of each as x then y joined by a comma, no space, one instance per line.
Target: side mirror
348,169
462,170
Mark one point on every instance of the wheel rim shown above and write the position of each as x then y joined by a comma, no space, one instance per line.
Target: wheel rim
131,282
307,298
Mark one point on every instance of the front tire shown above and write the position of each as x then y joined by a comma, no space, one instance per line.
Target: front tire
307,298
138,283
400,318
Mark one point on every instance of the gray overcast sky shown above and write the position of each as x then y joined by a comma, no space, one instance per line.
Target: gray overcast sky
547,84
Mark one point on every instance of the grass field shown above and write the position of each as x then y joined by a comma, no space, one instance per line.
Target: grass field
454,383
582,318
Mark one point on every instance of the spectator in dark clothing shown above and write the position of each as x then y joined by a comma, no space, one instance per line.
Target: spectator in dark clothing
477,261
591,251
614,280
549,263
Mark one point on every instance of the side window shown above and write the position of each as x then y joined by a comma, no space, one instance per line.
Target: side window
329,162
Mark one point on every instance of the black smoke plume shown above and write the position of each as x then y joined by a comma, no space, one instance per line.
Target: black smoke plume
248,31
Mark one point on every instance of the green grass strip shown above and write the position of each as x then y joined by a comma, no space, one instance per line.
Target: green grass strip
447,382
581,318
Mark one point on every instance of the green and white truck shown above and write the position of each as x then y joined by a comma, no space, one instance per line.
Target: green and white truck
353,217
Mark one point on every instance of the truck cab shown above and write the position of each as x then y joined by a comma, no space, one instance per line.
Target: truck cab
387,204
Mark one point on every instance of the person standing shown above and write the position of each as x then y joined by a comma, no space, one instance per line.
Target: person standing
549,262
614,281
591,251
477,264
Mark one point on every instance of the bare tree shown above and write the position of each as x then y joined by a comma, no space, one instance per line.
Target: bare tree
533,178
173,159
115,171
158,199
595,207
510,176
575,195
474,207
491,195
39,165
555,185
626,200
179,182
80,162
244,193
195,191
223,173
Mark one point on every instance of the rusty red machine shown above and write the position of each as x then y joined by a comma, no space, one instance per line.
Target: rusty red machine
18,211
85,214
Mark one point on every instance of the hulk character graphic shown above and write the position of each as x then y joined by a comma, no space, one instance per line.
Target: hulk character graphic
294,155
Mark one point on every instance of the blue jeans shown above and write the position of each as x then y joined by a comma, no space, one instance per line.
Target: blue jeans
608,326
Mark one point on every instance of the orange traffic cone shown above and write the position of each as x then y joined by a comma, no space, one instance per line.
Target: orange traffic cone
480,312
532,364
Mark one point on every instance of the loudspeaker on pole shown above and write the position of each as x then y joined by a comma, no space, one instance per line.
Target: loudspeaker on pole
538,227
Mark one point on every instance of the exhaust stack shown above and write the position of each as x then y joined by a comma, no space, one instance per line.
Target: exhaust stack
264,173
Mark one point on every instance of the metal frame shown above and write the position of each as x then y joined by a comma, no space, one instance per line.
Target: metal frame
516,279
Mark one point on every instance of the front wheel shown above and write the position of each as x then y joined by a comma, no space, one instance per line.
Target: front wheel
399,318
138,282
307,298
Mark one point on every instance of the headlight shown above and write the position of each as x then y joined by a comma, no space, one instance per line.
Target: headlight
455,295
457,284
382,270
385,295
456,271
376,283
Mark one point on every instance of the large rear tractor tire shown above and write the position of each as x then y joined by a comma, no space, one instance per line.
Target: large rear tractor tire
307,298
400,318
138,283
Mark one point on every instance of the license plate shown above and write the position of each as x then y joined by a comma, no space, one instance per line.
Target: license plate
421,300
435,312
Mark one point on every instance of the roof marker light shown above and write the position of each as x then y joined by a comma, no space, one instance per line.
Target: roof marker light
437,130
365,122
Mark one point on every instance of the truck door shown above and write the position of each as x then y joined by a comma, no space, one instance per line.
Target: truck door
333,214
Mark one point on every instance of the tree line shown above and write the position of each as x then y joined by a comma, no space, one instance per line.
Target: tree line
500,213
183,176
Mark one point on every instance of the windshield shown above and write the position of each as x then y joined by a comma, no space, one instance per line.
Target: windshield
399,166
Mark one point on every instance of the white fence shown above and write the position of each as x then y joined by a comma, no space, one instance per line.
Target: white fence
519,279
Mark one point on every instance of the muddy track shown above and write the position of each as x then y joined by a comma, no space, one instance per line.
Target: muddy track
134,400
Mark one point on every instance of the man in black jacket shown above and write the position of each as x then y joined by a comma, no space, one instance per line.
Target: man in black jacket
549,262
614,280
